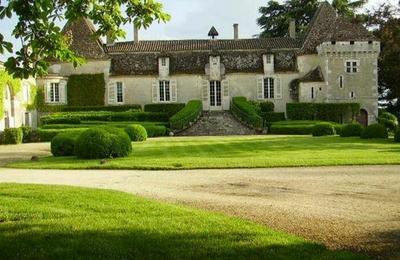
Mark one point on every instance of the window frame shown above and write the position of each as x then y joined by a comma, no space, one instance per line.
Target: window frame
164,91
353,66
119,85
55,97
268,88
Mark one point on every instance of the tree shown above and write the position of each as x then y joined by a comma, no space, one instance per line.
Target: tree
42,39
275,17
385,25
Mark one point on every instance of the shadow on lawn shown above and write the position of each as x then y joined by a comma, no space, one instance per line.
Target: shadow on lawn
45,242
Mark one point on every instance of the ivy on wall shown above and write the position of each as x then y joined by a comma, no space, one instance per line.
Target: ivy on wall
86,90
6,80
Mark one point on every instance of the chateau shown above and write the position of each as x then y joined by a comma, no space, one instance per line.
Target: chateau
335,61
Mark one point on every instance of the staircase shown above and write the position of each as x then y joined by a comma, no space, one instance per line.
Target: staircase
217,123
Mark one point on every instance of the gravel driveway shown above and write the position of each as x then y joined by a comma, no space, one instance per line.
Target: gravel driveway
355,208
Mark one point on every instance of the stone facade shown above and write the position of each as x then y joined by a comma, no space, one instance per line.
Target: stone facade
214,71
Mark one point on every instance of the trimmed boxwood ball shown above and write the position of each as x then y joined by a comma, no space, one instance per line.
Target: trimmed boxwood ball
137,133
349,130
388,120
63,145
13,136
323,129
101,143
375,131
397,135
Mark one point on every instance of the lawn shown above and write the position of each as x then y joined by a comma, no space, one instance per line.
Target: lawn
55,222
238,152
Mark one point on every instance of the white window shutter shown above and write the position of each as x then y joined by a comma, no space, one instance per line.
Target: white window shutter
123,92
112,95
278,88
155,91
47,92
205,88
63,91
225,87
260,87
174,90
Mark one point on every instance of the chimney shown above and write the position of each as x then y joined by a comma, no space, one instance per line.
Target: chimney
292,28
236,31
135,34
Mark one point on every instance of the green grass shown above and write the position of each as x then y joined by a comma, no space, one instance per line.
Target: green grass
55,222
238,152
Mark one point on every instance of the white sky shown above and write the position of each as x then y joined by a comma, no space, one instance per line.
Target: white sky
192,19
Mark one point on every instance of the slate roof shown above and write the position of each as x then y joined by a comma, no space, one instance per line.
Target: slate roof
326,26
82,39
203,45
313,76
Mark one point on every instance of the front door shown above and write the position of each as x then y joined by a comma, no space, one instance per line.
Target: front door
215,95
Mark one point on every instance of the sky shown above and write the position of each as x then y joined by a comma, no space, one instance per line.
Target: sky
192,19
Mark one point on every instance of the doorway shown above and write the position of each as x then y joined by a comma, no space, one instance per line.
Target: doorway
215,95
362,118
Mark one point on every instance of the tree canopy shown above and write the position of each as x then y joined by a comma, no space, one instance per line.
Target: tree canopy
275,17
42,39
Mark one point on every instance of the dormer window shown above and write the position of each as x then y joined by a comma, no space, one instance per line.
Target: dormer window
269,59
163,67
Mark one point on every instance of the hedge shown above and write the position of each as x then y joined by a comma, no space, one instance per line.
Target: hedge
106,116
375,131
273,116
155,130
170,109
63,145
297,127
122,108
189,114
46,135
49,120
351,130
137,133
246,112
323,129
86,90
388,120
12,136
334,112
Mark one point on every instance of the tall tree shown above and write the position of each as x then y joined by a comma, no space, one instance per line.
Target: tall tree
42,39
275,17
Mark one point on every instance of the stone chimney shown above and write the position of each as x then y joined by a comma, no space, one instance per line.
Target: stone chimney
236,31
292,28
135,34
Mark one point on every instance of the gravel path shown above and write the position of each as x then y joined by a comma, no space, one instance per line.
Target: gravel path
355,208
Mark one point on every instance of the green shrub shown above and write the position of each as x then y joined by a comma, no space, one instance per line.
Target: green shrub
86,90
334,112
375,131
388,120
156,130
246,112
353,129
100,143
46,135
26,134
397,135
323,129
301,127
122,108
13,136
137,133
63,145
274,117
49,120
267,107
187,115
169,109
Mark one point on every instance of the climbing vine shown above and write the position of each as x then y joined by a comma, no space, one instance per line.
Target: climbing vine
15,87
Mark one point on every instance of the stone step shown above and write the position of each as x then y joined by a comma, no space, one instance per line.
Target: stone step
217,123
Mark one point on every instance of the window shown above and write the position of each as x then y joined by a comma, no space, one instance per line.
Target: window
312,93
165,94
269,88
351,66
215,93
54,93
269,58
341,81
120,92
163,62
352,95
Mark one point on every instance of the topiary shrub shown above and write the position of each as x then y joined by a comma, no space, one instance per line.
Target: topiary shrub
323,129
26,134
100,143
397,135
63,145
156,130
349,130
267,106
375,131
388,120
13,136
137,133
